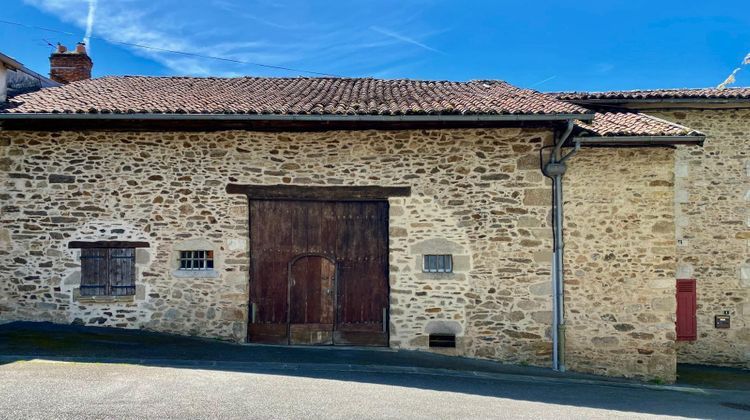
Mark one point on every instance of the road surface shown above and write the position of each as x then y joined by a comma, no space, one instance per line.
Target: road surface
53,389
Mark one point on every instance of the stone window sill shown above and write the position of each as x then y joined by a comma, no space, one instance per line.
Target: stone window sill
438,276
105,299
195,274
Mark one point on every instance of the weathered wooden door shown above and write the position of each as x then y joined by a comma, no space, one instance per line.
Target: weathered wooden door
362,258
319,272
312,288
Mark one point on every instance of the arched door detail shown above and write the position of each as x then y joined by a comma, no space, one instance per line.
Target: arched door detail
312,299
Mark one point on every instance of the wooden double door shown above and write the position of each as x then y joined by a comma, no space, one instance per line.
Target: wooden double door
319,272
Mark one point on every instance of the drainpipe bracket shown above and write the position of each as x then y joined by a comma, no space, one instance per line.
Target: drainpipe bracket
553,169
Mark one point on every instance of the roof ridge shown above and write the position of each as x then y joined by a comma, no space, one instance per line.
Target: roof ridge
595,92
734,93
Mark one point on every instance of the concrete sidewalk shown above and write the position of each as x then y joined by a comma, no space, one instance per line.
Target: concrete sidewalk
30,340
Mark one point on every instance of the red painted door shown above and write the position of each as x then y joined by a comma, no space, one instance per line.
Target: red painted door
687,325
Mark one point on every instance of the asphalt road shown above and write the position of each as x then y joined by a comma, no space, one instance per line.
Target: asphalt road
47,389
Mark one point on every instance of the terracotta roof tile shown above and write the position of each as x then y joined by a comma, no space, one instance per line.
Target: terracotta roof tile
317,96
701,93
633,124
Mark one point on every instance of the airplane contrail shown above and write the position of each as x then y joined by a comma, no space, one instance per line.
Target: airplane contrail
90,24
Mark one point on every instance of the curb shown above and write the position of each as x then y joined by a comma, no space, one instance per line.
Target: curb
335,367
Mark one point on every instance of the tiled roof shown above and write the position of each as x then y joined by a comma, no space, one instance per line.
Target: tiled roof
633,124
290,96
701,94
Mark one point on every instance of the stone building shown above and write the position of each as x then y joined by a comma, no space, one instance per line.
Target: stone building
412,214
712,211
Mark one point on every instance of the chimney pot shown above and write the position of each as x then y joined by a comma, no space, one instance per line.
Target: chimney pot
81,48
61,48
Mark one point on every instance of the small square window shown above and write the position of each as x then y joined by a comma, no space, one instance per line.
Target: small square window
196,260
437,263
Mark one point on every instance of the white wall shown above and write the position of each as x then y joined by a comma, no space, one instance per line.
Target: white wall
3,83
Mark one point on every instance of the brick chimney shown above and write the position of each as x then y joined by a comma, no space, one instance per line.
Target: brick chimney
70,66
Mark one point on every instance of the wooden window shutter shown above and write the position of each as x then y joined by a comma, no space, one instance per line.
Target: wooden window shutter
94,272
122,271
687,325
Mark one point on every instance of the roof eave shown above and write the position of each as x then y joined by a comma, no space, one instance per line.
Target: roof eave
639,140
296,117
10,63
663,102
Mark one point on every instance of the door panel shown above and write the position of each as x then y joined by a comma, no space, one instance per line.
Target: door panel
268,272
311,294
362,252
311,334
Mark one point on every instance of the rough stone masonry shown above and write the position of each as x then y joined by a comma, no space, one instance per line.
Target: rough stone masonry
712,210
476,193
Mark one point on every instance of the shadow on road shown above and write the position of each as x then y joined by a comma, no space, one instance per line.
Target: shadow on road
102,345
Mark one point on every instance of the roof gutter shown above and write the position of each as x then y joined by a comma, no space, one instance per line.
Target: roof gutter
9,62
618,101
297,117
638,140
665,103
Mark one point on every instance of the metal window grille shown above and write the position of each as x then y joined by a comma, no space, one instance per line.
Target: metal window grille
437,264
196,260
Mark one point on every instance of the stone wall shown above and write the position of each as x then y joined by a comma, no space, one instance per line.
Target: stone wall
712,208
62,187
619,263
477,194
168,188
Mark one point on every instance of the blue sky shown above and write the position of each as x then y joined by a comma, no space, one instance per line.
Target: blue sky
545,45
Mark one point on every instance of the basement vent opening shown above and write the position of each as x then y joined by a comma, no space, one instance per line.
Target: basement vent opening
443,340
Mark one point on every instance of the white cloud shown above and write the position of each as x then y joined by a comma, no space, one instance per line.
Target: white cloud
120,24
269,33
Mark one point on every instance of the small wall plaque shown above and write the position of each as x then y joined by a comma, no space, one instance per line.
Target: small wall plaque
721,321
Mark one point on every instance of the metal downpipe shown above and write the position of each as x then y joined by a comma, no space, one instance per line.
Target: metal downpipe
558,288
555,169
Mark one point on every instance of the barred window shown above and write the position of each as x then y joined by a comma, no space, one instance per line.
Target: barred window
437,263
196,260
